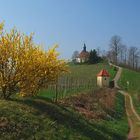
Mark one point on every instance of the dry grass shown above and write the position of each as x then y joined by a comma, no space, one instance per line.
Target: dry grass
94,105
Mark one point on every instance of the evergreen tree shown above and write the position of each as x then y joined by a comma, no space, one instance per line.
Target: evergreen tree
93,57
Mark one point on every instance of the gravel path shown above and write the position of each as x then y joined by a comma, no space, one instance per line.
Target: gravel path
133,117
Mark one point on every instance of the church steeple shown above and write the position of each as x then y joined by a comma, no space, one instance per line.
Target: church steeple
84,48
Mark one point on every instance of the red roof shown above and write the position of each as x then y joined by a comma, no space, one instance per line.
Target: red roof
84,54
103,73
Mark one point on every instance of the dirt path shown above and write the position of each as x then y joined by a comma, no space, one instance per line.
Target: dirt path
133,117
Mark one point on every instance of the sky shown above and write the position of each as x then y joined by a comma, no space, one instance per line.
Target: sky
71,23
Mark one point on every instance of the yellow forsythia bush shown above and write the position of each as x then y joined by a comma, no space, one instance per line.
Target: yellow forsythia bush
24,66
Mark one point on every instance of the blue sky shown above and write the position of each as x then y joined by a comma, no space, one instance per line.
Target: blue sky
71,23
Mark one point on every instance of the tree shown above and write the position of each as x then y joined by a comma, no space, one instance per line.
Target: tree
115,45
93,57
24,66
110,56
98,51
125,50
123,54
133,57
75,55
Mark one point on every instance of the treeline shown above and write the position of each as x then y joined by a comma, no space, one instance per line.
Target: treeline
120,54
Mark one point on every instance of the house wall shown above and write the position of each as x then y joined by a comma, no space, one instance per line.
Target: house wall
82,60
78,60
99,81
102,81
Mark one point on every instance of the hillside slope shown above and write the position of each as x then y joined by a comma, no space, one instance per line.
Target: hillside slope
98,115
81,78
129,81
41,119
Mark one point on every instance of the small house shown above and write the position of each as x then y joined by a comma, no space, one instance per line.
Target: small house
103,78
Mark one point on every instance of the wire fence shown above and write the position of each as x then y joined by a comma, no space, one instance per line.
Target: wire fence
67,86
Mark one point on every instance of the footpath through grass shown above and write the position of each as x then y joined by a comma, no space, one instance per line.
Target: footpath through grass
130,81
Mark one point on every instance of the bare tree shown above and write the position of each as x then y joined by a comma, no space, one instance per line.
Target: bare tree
123,54
115,45
110,56
75,55
137,61
133,57
98,51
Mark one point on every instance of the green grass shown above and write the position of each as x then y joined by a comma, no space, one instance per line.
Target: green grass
90,71
48,93
85,73
119,124
134,85
41,119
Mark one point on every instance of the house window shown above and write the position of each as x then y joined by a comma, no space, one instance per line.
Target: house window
105,78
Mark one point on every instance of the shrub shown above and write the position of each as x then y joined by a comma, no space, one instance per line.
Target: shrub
24,66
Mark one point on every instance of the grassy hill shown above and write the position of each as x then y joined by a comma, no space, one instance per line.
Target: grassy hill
133,87
89,71
97,115
41,119
81,78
